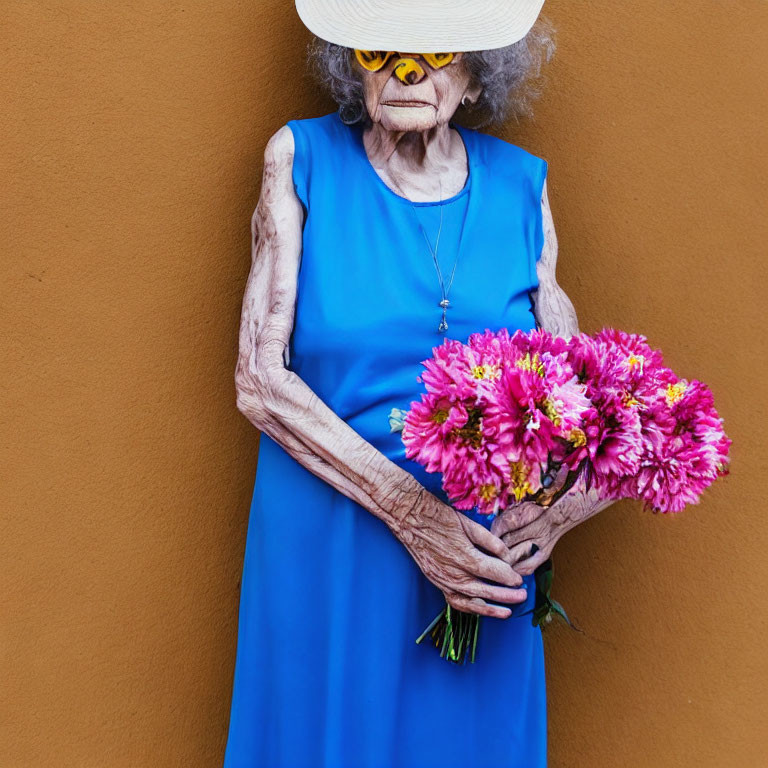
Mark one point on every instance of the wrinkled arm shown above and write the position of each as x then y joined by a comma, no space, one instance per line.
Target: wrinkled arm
552,307
274,398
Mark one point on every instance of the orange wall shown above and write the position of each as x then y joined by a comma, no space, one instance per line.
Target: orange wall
132,137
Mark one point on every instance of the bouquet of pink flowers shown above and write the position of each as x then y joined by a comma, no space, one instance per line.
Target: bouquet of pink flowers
530,416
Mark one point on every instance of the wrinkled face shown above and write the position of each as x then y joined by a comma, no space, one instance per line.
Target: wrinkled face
411,91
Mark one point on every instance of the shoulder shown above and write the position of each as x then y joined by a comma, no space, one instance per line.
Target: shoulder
302,150
320,121
280,147
278,171
311,130
291,138
505,154
497,144
278,201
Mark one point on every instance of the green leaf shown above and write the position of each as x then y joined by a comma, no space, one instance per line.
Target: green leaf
557,608
545,608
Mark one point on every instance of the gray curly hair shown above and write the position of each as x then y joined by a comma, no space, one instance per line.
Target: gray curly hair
508,76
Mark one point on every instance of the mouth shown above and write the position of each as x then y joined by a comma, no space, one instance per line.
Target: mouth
405,103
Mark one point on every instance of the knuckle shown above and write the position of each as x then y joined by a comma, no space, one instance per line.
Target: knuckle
464,523
494,544
475,560
475,589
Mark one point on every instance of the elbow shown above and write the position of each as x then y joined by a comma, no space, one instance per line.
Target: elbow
251,406
251,401
256,391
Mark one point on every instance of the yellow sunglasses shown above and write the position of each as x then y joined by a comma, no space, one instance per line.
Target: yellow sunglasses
373,61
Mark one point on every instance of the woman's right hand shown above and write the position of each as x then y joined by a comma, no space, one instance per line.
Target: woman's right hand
448,548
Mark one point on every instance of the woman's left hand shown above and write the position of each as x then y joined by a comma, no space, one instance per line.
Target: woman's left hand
522,525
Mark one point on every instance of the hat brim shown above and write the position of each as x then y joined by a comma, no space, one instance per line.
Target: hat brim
421,26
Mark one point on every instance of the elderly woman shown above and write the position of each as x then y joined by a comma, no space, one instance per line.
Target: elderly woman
381,229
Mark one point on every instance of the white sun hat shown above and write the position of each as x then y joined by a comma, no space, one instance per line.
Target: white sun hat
420,26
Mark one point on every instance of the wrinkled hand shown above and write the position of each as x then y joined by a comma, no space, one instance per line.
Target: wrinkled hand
447,546
522,525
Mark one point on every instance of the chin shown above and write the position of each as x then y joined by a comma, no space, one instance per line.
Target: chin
408,118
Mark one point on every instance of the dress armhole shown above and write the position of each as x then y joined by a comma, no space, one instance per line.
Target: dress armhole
538,232
299,169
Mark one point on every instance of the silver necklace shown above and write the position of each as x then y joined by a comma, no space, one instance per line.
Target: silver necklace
444,301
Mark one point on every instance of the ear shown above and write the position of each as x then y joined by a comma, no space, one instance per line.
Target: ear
471,94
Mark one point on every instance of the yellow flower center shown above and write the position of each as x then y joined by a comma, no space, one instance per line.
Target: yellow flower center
486,371
519,479
488,491
634,360
628,400
472,430
529,363
440,416
549,409
577,437
675,392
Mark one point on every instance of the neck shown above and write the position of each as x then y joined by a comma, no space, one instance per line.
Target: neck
413,151
418,163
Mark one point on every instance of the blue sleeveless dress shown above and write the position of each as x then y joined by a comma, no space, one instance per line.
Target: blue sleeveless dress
327,672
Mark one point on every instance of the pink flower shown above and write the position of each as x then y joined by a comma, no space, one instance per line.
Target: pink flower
430,431
502,412
606,365
448,371
685,448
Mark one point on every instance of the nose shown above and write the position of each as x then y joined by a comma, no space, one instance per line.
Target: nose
409,71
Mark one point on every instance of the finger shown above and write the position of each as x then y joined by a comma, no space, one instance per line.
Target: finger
482,537
521,515
521,551
476,605
492,592
532,563
530,532
493,569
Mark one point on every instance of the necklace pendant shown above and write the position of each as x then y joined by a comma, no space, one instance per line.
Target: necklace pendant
443,324
444,303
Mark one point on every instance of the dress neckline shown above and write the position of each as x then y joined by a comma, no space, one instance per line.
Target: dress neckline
357,130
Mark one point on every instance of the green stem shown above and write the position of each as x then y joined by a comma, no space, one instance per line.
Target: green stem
432,625
454,633
474,638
